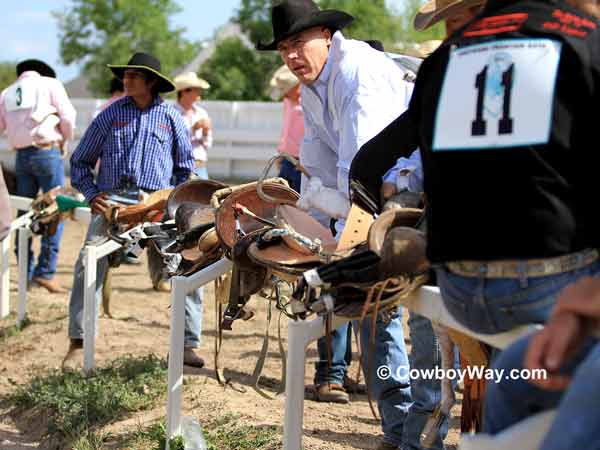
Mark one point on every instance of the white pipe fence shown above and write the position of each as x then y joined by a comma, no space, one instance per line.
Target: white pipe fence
245,134
426,301
21,225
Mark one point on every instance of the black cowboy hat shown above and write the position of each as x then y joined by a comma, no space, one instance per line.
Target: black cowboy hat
36,65
144,61
293,16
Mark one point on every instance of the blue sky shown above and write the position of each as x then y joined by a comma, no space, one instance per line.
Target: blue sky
27,29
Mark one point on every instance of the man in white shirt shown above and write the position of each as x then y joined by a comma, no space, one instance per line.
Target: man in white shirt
38,118
188,86
350,92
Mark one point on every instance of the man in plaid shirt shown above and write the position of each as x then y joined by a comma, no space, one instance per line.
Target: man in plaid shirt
143,146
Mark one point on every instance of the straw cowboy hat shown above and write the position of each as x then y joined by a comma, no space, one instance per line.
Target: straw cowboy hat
293,16
282,81
188,80
422,50
435,10
36,65
144,61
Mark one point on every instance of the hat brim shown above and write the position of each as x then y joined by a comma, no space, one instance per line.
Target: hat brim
200,84
164,84
327,18
428,16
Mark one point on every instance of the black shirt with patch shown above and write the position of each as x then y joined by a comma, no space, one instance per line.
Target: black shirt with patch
519,202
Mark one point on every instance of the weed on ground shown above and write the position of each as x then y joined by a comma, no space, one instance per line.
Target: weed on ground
76,407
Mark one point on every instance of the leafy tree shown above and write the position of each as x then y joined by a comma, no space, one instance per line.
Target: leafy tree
372,19
7,74
236,72
100,32
254,16
408,33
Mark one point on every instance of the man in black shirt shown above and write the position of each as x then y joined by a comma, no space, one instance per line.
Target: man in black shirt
501,114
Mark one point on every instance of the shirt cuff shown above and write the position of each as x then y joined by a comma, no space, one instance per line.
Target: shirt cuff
89,192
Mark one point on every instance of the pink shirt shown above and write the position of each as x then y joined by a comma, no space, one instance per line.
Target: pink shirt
27,102
293,128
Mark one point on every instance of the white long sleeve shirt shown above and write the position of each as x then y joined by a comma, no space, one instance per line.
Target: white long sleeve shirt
358,93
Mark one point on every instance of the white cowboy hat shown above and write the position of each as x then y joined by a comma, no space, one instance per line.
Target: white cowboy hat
189,80
436,10
282,81
421,50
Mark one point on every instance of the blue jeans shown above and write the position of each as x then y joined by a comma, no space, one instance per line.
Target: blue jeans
288,172
97,231
392,394
577,421
405,421
40,169
201,172
492,306
341,356
426,393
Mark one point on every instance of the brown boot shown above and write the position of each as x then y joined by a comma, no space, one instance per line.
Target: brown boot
162,286
331,392
190,358
74,358
352,387
51,285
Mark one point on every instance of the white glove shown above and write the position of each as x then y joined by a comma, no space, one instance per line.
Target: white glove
326,200
402,181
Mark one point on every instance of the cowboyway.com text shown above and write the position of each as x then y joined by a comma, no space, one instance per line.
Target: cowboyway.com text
472,372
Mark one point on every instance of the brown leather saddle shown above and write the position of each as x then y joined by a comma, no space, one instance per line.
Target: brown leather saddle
149,210
295,244
242,217
47,209
190,206
377,275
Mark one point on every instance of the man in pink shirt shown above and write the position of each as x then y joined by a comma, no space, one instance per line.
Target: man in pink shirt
285,82
38,118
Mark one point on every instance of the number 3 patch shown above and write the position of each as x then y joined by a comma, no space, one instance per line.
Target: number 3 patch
498,94
21,95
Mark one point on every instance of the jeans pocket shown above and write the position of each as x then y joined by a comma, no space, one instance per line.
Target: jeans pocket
534,303
46,163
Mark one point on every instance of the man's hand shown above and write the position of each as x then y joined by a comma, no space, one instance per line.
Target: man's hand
100,203
551,347
387,191
203,124
581,298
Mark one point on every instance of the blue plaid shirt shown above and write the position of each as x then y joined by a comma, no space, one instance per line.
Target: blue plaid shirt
149,148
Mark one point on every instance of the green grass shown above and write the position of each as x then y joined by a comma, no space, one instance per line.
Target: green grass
229,433
76,407
13,330
223,433
152,438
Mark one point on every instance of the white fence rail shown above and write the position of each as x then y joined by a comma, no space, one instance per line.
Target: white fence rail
245,136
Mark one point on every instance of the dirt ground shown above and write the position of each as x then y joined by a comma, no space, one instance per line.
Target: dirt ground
141,326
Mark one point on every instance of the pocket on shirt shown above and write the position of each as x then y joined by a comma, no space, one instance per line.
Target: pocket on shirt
162,138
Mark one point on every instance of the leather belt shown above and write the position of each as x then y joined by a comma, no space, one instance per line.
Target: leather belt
48,146
524,268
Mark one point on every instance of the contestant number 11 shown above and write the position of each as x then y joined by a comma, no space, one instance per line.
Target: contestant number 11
505,124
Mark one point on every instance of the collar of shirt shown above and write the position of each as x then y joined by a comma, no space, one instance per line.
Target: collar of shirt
130,102
29,74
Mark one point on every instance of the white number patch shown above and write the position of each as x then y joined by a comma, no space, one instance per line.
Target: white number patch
498,94
21,95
